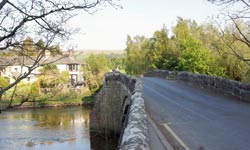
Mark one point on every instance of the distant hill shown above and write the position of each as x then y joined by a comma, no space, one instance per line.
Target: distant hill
82,54
106,52
100,51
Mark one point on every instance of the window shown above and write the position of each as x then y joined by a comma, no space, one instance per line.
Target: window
73,67
16,69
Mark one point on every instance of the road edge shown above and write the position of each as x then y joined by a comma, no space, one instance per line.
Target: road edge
162,139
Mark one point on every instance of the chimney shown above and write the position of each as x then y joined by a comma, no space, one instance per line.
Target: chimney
71,53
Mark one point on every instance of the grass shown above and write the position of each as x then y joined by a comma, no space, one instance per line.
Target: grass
60,99
63,97
87,98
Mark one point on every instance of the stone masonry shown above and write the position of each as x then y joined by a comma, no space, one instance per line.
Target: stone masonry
119,109
225,86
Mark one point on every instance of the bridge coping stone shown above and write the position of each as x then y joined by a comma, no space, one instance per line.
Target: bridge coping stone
135,135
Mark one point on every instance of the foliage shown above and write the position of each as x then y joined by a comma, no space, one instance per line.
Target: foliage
98,63
87,97
192,47
236,14
117,62
23,21
31,93
28,48
136,50
163,56
34,90
235,37
94,69
64,77
4,82
194,56
49,76
23,90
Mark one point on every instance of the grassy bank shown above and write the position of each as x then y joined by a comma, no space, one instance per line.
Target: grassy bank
57,98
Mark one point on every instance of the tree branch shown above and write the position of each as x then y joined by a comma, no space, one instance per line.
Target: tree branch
3,2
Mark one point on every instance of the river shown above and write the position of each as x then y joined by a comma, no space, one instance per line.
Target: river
45,129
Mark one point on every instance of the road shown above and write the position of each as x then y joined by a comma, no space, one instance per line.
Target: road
198,119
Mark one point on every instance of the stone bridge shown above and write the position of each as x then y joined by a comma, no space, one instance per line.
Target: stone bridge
228,87
120,110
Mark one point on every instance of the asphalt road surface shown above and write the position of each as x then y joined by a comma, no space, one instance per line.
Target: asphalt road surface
198,119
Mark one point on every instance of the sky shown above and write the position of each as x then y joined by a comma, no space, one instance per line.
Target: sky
107,29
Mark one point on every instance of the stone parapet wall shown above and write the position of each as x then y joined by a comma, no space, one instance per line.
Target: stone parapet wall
225,86
119,107
135,135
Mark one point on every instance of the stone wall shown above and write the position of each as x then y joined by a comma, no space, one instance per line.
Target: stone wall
119,109
135,135
225,86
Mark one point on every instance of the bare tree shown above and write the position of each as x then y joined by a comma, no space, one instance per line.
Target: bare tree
40,19
238,13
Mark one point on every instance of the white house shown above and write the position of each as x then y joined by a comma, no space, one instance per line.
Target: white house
13,66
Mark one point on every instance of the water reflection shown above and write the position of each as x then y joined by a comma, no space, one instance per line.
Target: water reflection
100,142
66,128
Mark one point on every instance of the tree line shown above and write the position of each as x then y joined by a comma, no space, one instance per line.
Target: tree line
96,65
203,49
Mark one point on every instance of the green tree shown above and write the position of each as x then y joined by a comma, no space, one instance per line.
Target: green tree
118,62
197,59
34,90
55,50
237,11
28,48
164,55
94,69
49,76
195,48
236,68
98,63
64,77
137,50
40,44
194,56
4,82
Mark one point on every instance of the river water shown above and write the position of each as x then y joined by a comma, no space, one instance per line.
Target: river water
45,129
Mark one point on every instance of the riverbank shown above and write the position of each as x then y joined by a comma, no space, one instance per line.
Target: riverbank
26,96
86,100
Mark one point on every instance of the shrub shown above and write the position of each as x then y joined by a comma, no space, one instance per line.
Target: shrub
4,81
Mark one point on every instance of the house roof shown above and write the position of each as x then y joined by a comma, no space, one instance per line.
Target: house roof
3,61
10,61
61,60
